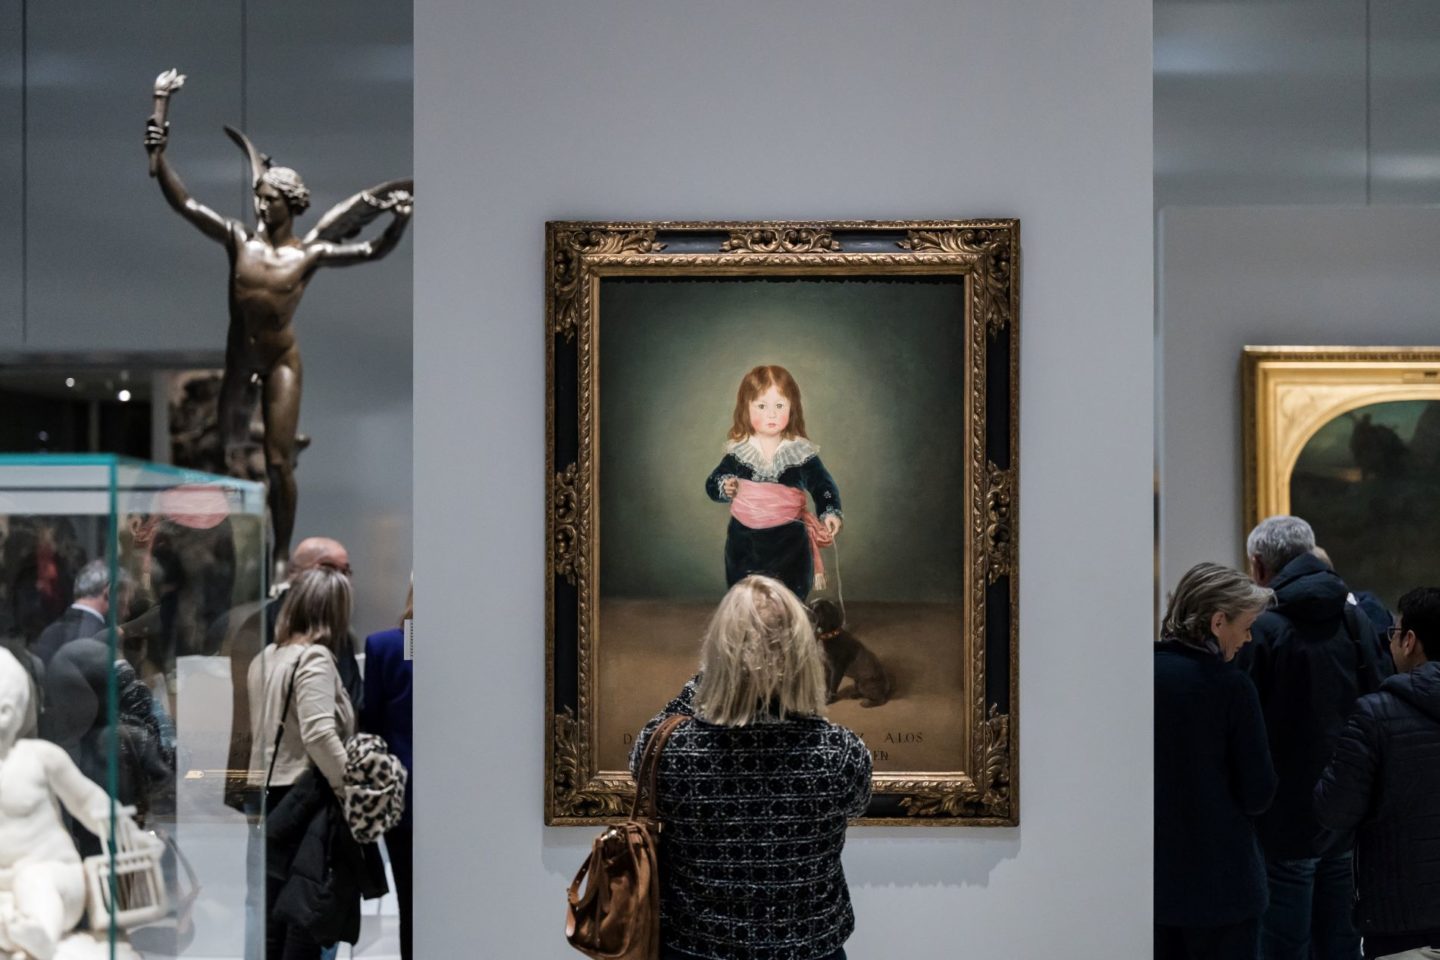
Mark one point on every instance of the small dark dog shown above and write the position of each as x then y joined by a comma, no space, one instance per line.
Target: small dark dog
847,656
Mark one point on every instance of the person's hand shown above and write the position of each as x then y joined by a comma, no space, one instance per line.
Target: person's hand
730,487
156,136
833,523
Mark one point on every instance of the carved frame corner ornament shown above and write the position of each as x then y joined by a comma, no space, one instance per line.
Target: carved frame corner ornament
984,255
568,247
964,795
574,794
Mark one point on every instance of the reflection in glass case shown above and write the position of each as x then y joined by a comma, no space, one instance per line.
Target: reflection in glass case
130,596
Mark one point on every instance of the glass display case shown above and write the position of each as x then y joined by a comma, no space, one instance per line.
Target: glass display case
131,604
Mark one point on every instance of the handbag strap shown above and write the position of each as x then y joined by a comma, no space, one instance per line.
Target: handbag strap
1365,680
648,778
280,728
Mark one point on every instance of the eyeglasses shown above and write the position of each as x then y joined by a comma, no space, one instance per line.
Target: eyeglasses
1395,633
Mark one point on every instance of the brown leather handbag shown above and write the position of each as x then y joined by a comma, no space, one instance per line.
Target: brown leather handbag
618,915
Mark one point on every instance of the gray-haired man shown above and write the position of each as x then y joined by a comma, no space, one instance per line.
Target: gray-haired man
1310,660
85,617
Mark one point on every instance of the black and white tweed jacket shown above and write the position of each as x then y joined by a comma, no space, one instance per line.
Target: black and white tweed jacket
754,821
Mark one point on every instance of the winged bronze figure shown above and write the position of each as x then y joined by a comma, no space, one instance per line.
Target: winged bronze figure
270,266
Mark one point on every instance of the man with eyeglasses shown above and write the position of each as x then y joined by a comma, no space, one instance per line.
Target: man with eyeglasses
1383,784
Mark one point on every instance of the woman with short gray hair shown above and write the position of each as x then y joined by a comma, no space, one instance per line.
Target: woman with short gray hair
1212,772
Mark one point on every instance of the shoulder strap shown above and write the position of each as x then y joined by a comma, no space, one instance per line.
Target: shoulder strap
280,727
1365,679
647,779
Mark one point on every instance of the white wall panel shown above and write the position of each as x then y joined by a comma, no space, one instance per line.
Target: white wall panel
1269,276
656,108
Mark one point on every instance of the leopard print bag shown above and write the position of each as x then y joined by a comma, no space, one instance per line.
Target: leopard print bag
374,796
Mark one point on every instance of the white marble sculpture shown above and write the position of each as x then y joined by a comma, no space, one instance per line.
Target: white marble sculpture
42,883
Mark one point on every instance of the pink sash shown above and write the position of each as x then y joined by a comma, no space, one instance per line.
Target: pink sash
761,506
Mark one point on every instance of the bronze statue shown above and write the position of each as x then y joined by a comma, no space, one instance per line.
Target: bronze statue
269,269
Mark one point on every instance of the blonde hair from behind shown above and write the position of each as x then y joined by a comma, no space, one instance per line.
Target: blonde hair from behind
759,658
1205,590
316,609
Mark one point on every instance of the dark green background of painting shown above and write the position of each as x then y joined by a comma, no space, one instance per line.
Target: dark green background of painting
880,369
1381,529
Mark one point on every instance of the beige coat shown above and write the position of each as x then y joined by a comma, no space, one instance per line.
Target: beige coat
320,720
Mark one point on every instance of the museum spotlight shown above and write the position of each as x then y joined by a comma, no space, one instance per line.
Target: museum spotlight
124,396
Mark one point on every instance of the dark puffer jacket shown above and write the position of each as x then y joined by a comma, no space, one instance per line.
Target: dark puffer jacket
1308,670
324,870
1384,784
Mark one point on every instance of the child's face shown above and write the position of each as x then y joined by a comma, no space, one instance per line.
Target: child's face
769,414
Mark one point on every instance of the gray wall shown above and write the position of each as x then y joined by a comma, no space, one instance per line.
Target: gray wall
1269,276
1297,101
879,366
324,87
651,109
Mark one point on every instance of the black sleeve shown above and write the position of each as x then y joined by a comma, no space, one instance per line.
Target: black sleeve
1342,795
683,705
1248,747
822,487
729,467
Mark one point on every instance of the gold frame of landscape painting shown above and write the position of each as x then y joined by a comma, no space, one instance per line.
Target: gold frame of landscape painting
1346,437
903,338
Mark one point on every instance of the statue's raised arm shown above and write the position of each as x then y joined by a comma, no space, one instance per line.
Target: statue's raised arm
157,135
334,236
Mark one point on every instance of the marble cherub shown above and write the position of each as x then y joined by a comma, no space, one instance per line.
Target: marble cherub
42,882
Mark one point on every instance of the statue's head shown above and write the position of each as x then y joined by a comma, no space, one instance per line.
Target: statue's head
280,186
14,696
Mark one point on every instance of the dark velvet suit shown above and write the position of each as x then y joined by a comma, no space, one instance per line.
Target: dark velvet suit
781,552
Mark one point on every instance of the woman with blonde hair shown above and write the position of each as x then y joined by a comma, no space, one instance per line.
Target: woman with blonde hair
1213,772
295,689
755,792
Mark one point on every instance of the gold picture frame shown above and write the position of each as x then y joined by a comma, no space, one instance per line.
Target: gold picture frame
1296,398
593,270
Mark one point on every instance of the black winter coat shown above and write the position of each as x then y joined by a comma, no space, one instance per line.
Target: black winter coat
1212,775
1308,670
1384,784
326,871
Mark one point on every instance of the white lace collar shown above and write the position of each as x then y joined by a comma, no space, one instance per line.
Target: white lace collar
790,453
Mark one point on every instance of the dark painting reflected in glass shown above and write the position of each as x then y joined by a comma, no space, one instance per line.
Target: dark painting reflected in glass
1369,483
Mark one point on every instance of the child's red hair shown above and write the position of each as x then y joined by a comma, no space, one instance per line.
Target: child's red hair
756,382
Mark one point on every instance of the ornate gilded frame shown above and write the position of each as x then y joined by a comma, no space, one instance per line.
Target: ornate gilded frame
985,253
1291,392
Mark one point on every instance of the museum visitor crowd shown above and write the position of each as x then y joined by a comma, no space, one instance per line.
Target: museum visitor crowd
300,715
1297,762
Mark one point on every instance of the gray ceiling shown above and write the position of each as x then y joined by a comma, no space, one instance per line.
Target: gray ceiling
1297,101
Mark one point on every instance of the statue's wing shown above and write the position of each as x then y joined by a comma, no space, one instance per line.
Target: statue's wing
259,162
346,219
